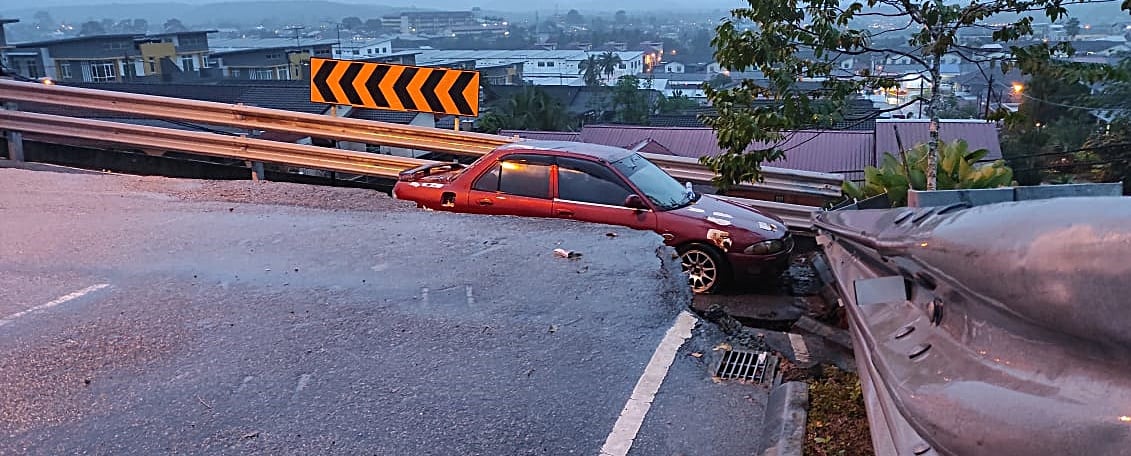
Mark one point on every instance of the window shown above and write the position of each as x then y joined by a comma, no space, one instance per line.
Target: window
102,71
31,69
621,66
541,64
263,73
65,70
549,64
589,182
657,185
357,52
521,175
188,63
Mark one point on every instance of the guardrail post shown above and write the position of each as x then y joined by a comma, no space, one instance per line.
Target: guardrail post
15,139
257,173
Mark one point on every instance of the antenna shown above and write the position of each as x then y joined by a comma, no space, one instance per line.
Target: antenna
296,29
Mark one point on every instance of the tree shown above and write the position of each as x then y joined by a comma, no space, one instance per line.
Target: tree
676,103
591,69
90,28
609,61
791,40
720,81
352,23
174,25
373,25
630,104
1072,28
530,109
620,17
573,17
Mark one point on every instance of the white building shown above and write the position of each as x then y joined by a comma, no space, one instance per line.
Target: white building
674,67
363,48
539,67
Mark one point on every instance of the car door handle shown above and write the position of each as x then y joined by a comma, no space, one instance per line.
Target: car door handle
486,202
565,212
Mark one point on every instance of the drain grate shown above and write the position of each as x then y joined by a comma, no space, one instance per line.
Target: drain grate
747,365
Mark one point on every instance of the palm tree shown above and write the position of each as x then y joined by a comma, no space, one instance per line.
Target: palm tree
530,109
609,62
591,68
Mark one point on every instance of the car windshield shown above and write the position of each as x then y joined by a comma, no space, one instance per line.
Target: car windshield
664,191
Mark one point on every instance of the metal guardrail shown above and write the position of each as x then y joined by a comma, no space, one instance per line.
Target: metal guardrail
255,118
50,126
796,216
991,330
346,129
781,180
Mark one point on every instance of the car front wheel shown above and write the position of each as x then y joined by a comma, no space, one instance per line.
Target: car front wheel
704,266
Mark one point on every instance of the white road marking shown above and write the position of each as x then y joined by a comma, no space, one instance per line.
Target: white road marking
800,350
632,416
60,300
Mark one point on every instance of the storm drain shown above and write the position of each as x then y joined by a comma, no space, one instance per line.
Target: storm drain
747,365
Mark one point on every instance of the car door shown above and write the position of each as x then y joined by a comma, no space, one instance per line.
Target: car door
589,191
518,184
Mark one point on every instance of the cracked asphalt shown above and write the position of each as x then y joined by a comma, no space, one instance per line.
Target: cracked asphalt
270,318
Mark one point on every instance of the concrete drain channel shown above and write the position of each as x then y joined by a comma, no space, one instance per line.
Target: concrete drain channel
754,366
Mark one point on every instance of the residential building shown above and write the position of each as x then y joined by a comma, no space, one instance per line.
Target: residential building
539,67
428,22
114,58
674,67
363,48
4,42
268,58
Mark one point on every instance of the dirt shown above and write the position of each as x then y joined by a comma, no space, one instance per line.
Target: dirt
837,424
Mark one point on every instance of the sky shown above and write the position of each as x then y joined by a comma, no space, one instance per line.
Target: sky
503,5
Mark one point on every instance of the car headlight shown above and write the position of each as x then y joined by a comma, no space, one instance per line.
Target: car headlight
769,247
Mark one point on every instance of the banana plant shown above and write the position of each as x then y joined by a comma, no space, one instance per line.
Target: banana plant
957,169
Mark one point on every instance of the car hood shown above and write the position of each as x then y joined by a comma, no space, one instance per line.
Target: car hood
726,213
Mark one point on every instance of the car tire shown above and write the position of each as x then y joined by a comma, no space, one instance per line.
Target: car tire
705,267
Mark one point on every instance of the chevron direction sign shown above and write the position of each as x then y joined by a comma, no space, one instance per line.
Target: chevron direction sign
395,87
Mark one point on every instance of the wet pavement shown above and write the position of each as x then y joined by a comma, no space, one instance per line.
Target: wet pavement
151,315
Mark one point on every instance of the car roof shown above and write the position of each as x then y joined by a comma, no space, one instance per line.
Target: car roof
598,151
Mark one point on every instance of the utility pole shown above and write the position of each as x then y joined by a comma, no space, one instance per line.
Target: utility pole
989,91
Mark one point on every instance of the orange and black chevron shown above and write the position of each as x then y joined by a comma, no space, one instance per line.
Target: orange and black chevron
394,87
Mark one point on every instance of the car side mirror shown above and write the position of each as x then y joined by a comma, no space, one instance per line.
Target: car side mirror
635,202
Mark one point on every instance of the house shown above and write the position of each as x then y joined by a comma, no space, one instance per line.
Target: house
268,58
4,42
674,67
539,67
114,57
363,48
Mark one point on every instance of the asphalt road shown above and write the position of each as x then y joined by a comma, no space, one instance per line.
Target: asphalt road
160,316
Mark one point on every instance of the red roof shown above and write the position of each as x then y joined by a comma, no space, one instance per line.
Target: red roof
829,151
979,134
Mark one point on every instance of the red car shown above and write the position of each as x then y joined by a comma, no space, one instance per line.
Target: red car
718,241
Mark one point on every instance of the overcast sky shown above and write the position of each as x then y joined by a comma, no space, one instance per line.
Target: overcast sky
517,5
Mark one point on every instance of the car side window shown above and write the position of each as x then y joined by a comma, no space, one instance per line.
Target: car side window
489,181
590,182
518,175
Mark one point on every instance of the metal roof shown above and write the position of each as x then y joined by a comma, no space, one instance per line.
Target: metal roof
598,151
543,135
979,134
430,55
219,45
